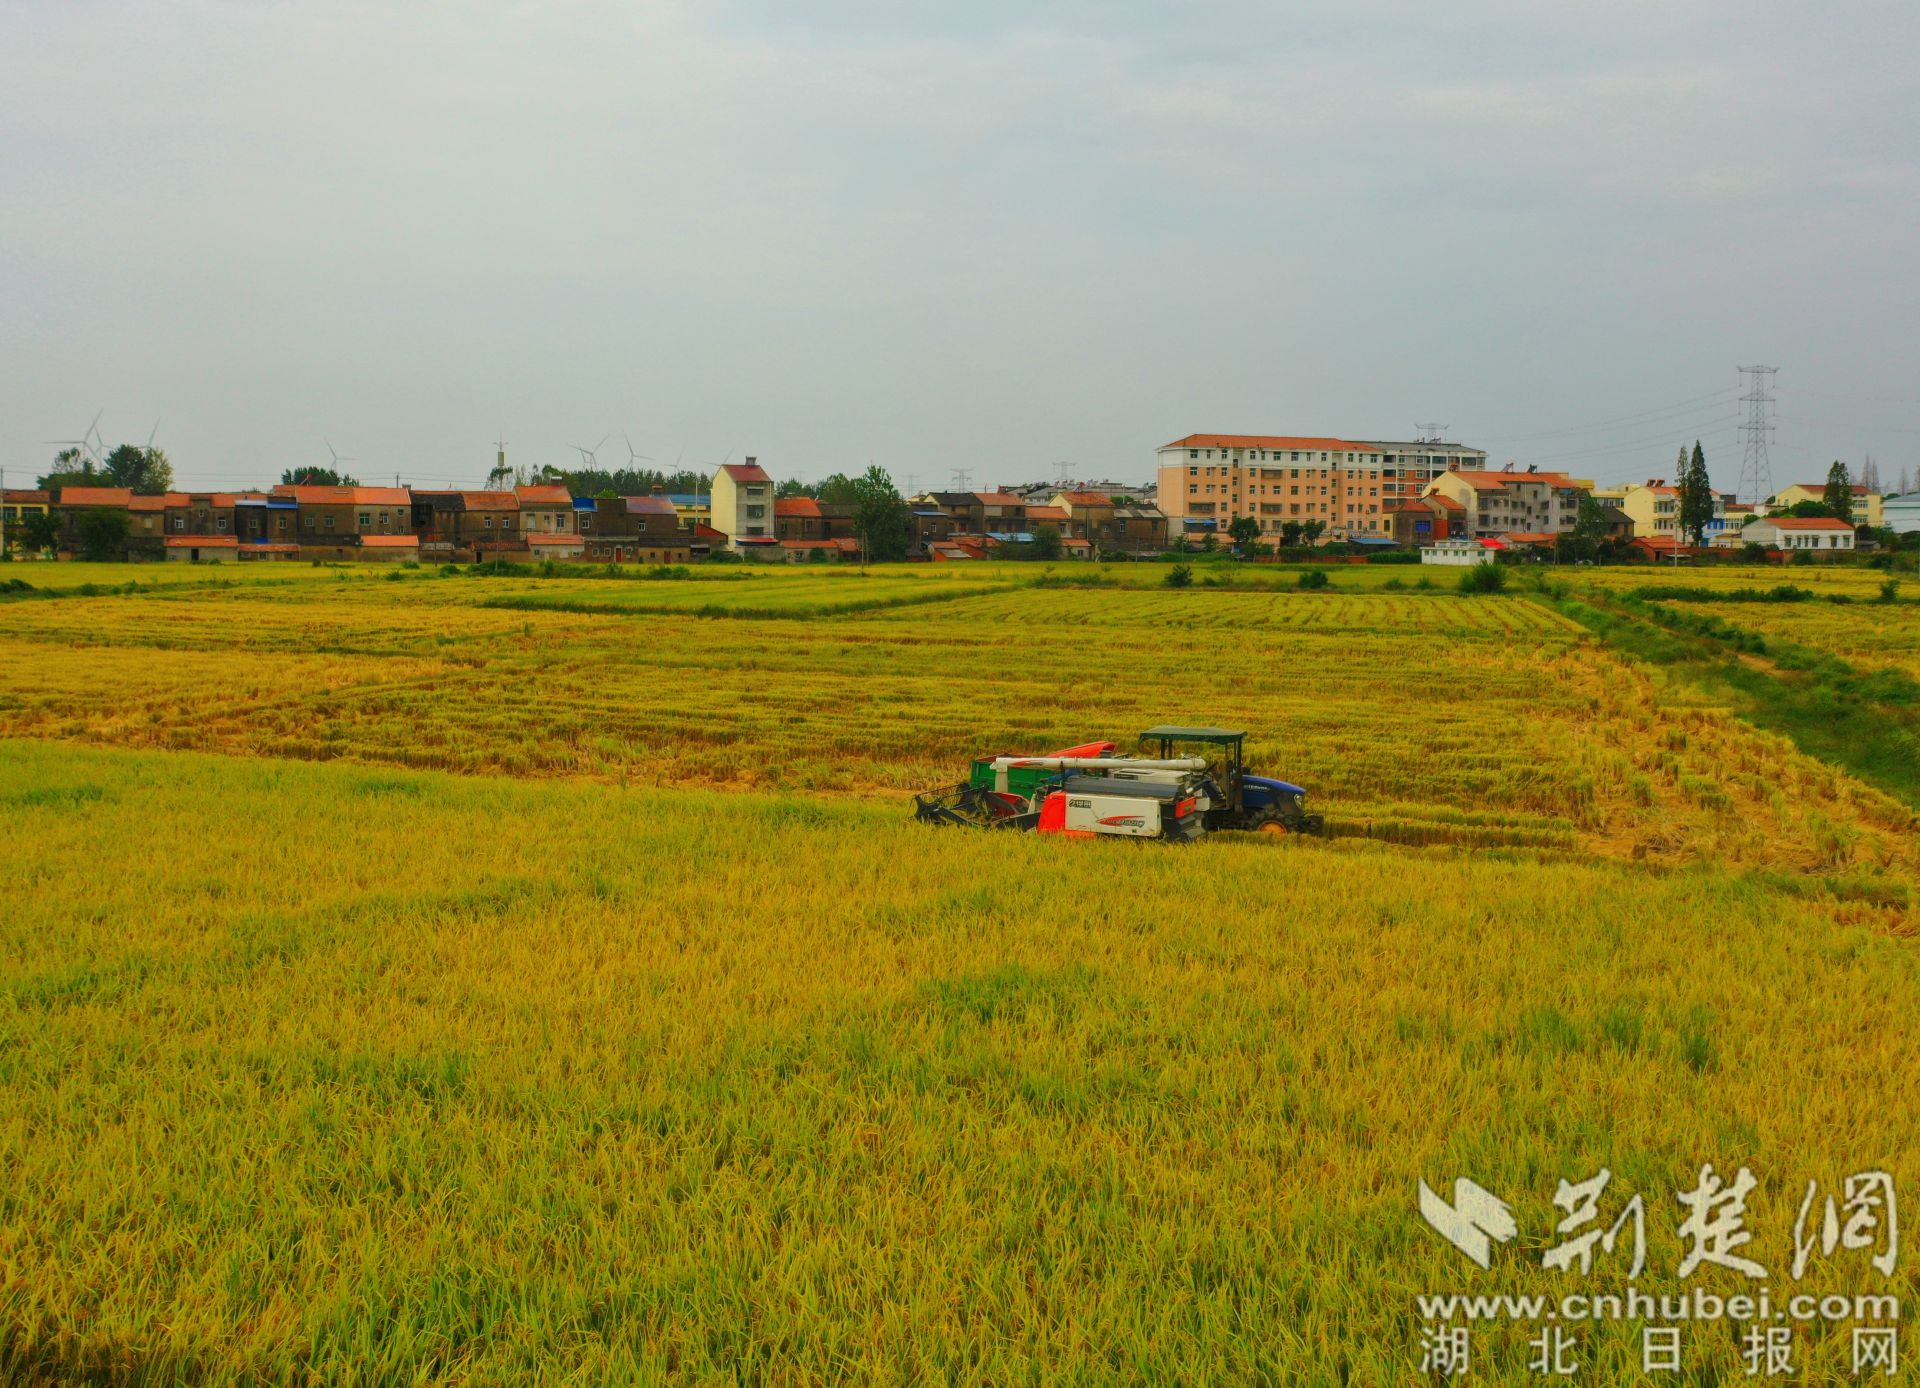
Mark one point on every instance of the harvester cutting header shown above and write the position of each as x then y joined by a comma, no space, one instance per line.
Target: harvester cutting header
1088,790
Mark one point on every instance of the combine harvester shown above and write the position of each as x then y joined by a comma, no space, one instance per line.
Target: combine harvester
1084,791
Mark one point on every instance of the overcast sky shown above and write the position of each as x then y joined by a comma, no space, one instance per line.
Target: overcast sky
979,235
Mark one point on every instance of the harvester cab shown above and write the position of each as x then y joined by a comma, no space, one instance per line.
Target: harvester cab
1242,801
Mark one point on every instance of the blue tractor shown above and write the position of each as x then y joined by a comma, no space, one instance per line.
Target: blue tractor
1258,803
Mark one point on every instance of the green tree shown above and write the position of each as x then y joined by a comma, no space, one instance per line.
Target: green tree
316,477
1179,576
1696,495
1808,510
145,471
1838,497
71,468
1483,578
101,533
1589,531
39,532
1046,542
791,486
1313,530
1289,534
1244,531
838,489
1209,543
880,517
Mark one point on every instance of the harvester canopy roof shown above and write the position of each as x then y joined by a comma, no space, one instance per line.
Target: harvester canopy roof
1195,734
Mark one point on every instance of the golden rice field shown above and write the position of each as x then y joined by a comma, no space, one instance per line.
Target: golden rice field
1867,635
457,980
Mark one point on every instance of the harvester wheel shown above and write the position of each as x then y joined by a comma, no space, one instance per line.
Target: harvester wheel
1270,822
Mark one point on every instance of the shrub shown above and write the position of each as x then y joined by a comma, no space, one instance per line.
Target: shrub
1890,590
1179,576
1312,578
1483,578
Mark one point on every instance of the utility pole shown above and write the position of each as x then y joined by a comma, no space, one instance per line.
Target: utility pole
962,479
1756,470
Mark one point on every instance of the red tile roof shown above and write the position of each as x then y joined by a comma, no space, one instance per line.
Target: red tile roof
1858,489
998,499
389,541
493,501
151,503
546,494
1805,522
650,506
201,542
28,497
345,496
746,472
1284,442
796,506
1048,513
95,496
552,540
1087,498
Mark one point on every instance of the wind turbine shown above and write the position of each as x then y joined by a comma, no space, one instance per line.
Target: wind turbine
590,455
633,457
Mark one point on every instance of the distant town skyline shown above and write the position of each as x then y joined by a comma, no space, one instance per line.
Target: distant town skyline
991,237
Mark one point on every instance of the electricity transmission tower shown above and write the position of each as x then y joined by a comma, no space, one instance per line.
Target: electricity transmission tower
1756,472
962,479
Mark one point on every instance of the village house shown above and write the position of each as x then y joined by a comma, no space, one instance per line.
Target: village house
742,505
635,529
1421,520
1869,507
374,523
545,509
1002,513
1821,533
266,526
1499,503
1089,515
964,509
1653,506
17,504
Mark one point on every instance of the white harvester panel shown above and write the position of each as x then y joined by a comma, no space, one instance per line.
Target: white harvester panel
1135,815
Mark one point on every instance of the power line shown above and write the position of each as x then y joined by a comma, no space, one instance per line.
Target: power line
1625,420
1672,433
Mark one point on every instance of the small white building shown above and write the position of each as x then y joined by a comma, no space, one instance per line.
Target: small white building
1459,553
1902,513
1799,532
742,505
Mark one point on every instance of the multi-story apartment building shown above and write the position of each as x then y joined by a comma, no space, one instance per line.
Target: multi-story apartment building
1406,468
1206,481
1510,503
742,505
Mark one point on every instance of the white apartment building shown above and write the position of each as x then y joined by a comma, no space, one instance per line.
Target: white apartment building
1206,481
742,504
